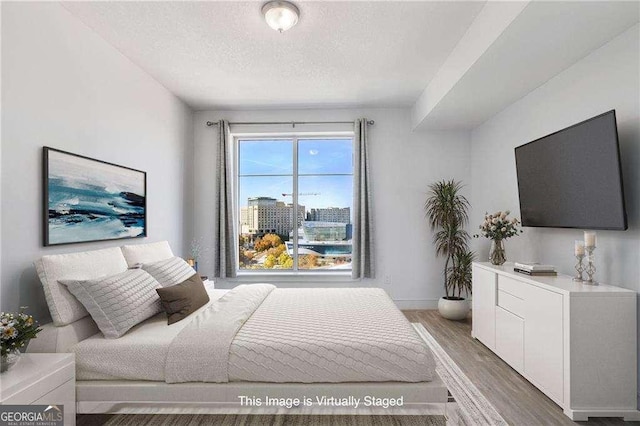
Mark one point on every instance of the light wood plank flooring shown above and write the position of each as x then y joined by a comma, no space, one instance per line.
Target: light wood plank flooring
517,400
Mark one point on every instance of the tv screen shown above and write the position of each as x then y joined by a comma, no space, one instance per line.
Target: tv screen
572,178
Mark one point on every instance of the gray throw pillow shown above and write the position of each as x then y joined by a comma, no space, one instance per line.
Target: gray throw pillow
181,300
169,272
118,302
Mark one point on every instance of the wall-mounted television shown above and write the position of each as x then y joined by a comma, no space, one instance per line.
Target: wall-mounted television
572,178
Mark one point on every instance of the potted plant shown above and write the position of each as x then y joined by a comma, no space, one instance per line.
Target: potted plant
446,211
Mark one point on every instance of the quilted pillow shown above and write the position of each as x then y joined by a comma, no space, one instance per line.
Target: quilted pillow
170,271
118,302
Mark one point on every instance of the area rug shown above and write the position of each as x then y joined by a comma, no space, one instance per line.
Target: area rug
472,407
251,420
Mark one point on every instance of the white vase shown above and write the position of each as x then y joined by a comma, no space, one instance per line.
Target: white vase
454,309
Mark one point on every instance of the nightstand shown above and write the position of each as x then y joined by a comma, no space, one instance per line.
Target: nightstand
42,379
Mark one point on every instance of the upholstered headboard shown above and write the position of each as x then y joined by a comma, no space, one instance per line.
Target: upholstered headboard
86,265
71,321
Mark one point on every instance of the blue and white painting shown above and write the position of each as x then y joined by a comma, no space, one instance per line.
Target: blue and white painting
89,200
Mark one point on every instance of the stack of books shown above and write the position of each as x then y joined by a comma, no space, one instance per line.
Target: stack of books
534,269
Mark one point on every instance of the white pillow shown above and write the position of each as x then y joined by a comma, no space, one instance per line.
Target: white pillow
118,302
85,265
170,271
146,253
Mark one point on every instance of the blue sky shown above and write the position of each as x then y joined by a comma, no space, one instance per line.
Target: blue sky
317,157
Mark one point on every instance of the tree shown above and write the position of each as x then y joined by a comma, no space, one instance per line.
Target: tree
277,251
245,256
266,242
270,261
307,261
285,261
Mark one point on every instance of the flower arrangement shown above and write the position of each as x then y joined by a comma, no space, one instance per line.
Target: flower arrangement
16,330
498,226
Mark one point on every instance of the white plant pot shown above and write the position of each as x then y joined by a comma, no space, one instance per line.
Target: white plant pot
454,309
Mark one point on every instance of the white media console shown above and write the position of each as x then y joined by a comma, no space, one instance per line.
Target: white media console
575,342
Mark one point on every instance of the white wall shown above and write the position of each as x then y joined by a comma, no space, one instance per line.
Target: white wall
403,164
606,79
609,78
65,87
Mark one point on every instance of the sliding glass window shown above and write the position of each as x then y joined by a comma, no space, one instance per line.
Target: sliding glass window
295,203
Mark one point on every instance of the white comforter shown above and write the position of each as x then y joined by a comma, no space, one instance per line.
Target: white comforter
329,335
269,335
200,353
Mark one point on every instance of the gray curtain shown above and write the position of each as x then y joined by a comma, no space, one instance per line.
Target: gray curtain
225,244
363,260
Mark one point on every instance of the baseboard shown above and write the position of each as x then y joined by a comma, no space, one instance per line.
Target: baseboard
416,304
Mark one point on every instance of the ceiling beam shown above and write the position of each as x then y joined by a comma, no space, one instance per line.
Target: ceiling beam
486,28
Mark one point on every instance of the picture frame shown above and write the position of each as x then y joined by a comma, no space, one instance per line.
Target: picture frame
88,200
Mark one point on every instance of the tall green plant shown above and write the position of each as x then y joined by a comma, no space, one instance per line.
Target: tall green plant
446,211
459,278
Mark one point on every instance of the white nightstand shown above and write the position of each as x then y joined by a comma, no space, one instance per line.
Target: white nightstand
42,379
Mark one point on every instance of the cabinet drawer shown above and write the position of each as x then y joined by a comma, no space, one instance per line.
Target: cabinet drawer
510,338
512,286
511,303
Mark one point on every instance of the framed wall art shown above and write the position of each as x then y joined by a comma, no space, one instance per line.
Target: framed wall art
91,200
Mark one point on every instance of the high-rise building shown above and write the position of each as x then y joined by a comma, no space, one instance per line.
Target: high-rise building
330,214
326,231
265,215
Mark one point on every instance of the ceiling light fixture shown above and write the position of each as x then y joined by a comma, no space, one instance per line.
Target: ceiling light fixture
280,15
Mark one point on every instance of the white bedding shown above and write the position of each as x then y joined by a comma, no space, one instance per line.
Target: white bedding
329,335
138,355
200,352
294,335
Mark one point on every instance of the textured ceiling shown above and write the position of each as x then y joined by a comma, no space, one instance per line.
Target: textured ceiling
223,55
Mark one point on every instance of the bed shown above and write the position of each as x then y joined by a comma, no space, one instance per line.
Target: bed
253,349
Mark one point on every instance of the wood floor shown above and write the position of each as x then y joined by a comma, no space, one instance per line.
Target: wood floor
517,400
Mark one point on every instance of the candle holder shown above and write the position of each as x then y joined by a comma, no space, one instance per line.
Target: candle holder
579,268
591,267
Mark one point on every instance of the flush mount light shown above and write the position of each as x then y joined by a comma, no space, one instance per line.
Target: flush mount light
280,15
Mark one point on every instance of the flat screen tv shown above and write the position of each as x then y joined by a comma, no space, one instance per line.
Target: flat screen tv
572,178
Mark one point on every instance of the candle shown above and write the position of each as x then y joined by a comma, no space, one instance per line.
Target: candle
589,238
579,247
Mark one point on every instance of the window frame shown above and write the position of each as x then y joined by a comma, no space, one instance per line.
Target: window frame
322,275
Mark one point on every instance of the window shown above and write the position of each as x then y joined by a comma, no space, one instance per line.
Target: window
295,203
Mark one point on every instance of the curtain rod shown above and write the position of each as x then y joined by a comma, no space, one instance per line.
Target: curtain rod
292,123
